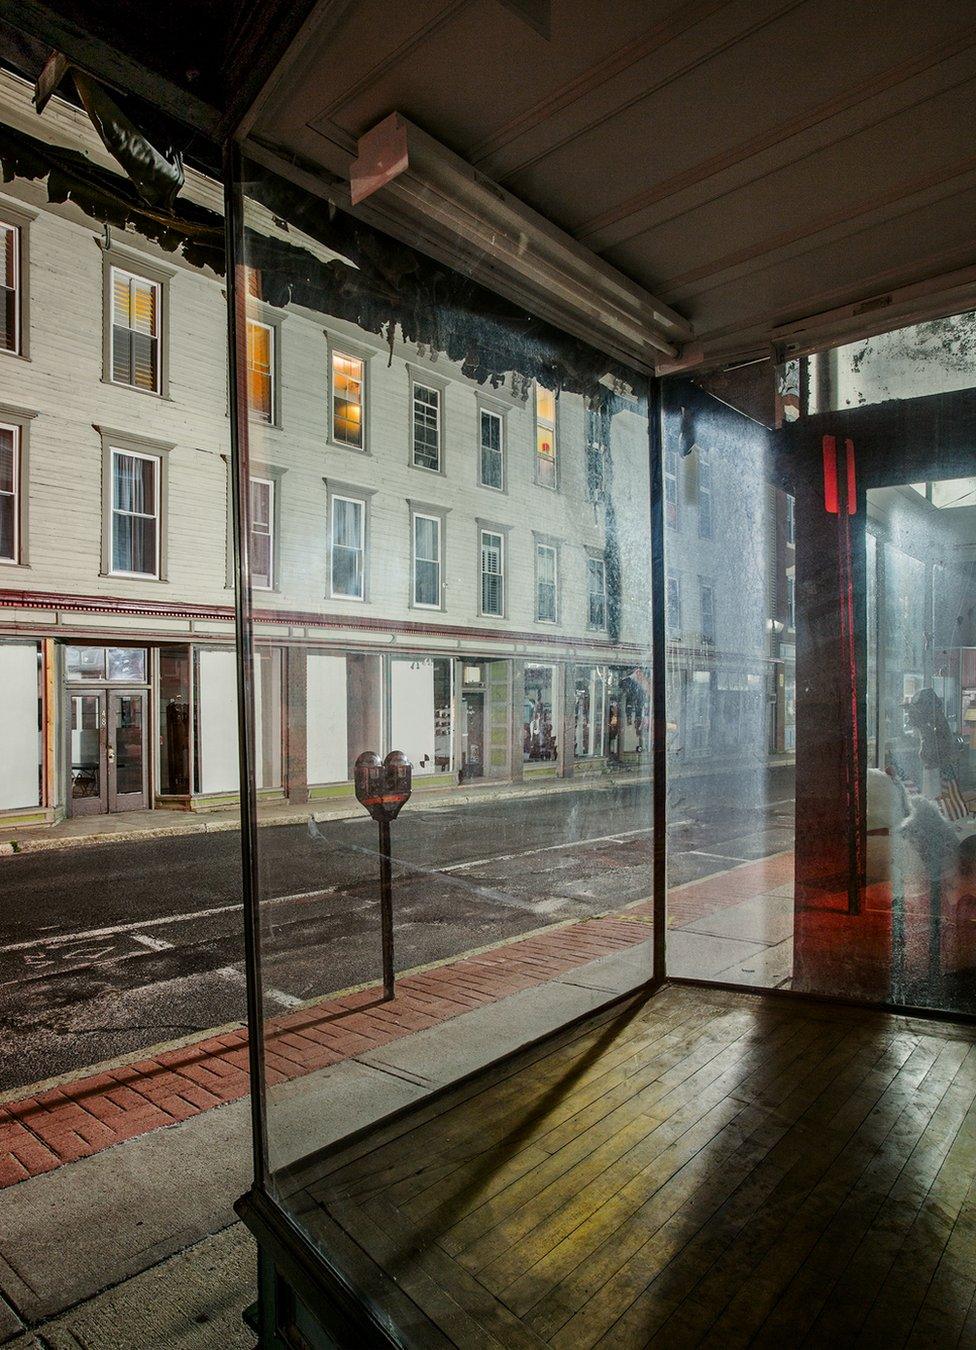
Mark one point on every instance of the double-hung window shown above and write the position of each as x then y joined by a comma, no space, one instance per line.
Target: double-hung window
545,437
545,583
135,514
136,310
492,573
426,427
9,494
790,599
426,561
261,369
790,519
262,534
671,505
673,606
10,287
596,588
706,599
595,456
492,450
348,535
704,494
348,399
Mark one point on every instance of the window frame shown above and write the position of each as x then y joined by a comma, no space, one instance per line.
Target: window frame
789,526
19,420
114,271
790,601
350,500
553,426
549,546
705,493
117,258
594,558
142,447
272,420
117,450
422,511
487,529
351,351
434,384
272,532
672,464
595,451
19,220
486,409
706,586
673,629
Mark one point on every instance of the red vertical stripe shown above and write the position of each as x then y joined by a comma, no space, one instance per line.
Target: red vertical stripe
830,474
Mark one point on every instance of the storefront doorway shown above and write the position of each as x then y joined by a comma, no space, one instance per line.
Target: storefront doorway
107,752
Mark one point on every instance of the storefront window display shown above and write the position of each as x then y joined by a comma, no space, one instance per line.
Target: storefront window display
539,740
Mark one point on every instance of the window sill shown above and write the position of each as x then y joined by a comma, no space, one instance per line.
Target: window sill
502,491
423,468
18,356
347,599
134,389
134,576
351,449
15,562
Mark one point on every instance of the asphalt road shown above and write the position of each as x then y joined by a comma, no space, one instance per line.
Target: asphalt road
112,948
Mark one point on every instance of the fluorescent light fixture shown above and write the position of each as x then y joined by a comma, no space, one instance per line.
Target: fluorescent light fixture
412,186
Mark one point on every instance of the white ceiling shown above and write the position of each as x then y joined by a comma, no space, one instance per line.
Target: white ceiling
749,162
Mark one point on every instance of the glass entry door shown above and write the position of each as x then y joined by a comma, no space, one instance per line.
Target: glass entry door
107,757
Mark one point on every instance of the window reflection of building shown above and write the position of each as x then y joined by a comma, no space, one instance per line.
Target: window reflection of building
538,732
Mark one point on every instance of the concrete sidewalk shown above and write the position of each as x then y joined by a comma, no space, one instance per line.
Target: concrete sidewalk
87,831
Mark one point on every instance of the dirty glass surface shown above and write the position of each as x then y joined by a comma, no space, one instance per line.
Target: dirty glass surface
459,547
822,793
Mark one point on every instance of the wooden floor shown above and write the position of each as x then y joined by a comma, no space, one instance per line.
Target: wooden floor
696,1168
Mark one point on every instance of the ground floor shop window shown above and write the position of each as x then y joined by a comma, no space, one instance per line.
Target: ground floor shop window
420,702
20,725
216,767
591,706
174,721
539,742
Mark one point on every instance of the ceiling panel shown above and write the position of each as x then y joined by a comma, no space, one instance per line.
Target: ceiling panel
743,159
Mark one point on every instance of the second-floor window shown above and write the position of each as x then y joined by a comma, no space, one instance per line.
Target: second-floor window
790,599
545,583
135,330
492,573
596,456
427,561
704,494
596,587
260,370
672,512
9,494
426,427
135,514
348,548
9,287
348,400
706,597
673,606
545,437
790,519
492,450
262,534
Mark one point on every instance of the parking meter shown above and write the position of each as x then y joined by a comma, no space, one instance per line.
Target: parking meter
383,787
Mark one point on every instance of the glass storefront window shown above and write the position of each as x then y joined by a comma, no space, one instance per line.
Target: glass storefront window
539,739
174,721
122,664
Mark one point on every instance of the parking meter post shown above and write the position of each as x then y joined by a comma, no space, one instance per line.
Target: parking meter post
386,909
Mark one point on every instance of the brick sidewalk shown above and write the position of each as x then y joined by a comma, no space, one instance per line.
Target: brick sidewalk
42,1132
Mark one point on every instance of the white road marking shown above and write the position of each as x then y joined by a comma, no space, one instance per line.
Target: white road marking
235,974
154,944
60,940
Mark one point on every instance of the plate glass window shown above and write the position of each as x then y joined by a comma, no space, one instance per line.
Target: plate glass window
492,573
427,561
260,370
135,331
135,514
545,437
9,288
492,450
9,493
262,534
347,400
596,576
545,583
426,427
348,548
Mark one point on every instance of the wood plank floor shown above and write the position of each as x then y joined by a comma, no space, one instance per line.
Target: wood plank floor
699,1167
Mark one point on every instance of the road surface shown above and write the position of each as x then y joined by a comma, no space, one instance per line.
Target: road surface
113,948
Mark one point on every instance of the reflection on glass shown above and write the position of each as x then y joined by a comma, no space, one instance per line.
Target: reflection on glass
129,742
539,744
86,745
85,663
127,664
174,721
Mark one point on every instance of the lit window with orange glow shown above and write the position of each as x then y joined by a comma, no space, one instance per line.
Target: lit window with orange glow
260,370
545,437
135,331
348,386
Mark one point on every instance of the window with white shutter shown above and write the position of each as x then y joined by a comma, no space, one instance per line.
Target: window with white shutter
492,573
135,330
